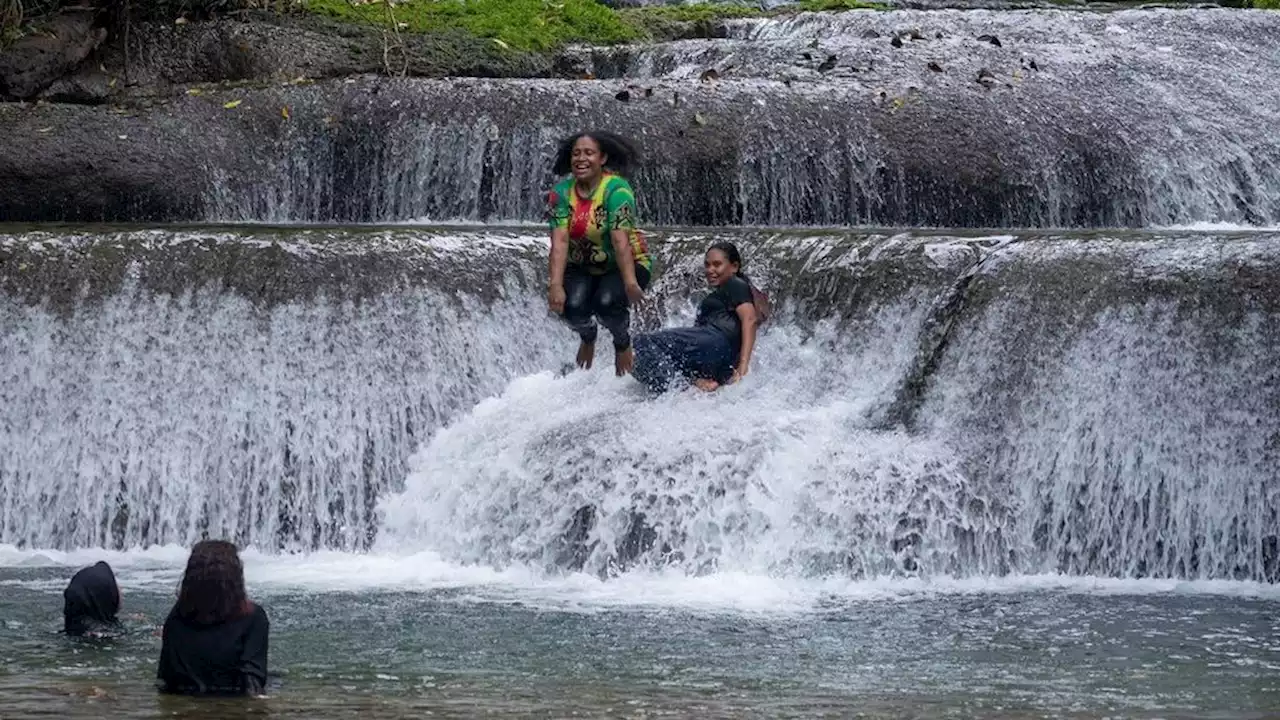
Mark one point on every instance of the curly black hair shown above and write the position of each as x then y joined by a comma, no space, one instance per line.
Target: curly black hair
212,589
620,154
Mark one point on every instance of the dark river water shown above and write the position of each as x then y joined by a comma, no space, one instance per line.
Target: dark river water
352,645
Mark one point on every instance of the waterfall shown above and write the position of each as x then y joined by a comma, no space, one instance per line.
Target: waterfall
903,118
174,393
923,404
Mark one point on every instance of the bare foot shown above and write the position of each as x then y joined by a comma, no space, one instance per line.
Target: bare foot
623,361
586,355
706,385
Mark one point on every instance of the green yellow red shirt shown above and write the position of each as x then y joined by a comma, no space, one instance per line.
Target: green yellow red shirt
590,221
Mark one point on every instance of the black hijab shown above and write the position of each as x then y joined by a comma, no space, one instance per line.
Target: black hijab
91,600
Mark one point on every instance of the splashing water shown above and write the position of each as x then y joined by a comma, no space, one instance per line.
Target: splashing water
778,476
1091,406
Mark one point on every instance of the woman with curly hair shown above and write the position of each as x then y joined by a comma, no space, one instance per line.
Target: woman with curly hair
599,262
215,639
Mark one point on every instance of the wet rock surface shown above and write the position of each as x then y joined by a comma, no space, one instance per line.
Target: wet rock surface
1041,119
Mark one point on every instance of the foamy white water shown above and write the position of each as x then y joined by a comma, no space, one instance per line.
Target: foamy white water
1095,407
777,476
159,569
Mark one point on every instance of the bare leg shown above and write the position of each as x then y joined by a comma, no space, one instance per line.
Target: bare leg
586,354
624,361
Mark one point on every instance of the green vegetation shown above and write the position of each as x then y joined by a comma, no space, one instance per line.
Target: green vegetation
689,13
1267,4
548,24
10,20
522,24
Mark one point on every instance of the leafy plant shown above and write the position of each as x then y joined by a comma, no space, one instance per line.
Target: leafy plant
10,20
548,24
520,24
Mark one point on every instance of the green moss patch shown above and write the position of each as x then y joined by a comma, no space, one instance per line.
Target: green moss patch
549,24
521,24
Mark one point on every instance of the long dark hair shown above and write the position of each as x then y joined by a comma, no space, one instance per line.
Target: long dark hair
213,586
621,154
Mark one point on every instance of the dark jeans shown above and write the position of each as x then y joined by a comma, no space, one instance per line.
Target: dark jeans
693,353
589,297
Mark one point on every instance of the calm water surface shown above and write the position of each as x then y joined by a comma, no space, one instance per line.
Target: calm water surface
465,652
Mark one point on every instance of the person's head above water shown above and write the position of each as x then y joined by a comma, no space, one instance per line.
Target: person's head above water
91,600
722,262
213,585
587,155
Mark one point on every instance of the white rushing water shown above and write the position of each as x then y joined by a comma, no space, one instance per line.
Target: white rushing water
159,569
952,118
1102,409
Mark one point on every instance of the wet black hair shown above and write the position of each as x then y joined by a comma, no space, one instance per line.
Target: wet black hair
620,154
731,253
212,589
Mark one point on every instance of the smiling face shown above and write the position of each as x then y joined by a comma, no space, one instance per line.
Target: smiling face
718,267
587,162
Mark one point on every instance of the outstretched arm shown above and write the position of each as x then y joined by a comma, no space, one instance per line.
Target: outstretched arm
747,317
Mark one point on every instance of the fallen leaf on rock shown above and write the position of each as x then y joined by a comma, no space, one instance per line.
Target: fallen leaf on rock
284,112
233,104
195,91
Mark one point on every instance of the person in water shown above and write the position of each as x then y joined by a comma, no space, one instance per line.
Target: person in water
600,263
214,641
91,602
717,349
